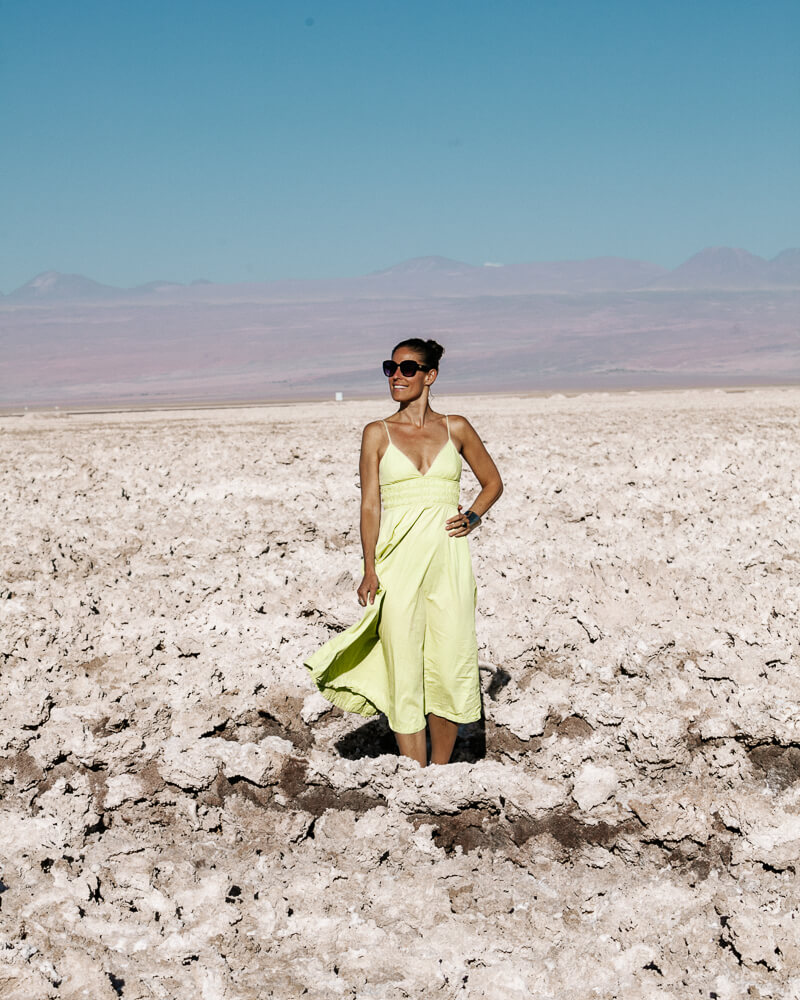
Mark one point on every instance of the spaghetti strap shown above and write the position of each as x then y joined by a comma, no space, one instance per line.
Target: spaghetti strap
447,418
388,435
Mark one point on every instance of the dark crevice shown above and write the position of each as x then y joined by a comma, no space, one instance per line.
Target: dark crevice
725,942
99,827
500,679
117,983
775,870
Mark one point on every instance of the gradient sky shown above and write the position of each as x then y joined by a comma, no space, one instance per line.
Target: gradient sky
261,139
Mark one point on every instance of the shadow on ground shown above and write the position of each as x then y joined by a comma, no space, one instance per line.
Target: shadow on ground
375,738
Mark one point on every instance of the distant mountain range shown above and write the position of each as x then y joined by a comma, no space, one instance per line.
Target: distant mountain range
722,317
714,267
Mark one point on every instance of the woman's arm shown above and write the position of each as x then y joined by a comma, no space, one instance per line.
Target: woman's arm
370,511
481,463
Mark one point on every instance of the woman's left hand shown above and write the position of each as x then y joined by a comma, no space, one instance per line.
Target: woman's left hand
459,526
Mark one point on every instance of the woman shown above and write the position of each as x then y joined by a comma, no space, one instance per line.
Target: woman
414,654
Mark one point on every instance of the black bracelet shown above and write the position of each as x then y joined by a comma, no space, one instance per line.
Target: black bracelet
472,518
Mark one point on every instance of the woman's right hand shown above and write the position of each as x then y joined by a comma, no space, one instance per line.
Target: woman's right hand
368,588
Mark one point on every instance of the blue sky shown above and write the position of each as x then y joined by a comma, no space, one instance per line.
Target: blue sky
183,139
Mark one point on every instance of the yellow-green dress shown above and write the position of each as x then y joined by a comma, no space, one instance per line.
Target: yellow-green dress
414,650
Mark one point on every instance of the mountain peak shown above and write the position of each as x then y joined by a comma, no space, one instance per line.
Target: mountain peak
45,280
725,259
52,286
718,267
433,265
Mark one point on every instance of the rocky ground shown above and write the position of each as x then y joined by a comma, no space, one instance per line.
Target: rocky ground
182,817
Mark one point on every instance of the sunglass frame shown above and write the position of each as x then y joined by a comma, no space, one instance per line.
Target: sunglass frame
390,367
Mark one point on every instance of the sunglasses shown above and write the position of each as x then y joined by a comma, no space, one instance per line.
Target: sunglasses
407,368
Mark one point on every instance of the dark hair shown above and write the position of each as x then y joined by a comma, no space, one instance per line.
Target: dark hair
430,352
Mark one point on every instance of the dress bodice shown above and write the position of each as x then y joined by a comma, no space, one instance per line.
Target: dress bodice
402,484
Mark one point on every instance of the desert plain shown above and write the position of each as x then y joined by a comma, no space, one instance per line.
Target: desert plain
183,816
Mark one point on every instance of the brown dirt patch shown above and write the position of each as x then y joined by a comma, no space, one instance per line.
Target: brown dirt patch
471,829
779,765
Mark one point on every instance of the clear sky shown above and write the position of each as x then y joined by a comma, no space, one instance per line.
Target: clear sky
260,139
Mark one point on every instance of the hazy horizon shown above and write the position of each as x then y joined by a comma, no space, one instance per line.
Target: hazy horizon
731,263
209,344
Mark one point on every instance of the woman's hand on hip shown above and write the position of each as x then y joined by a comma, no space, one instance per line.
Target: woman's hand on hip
368,588
459,526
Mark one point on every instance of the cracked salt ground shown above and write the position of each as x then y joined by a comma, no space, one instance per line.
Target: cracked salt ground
182,817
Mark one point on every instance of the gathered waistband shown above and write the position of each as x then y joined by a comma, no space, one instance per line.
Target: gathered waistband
423,492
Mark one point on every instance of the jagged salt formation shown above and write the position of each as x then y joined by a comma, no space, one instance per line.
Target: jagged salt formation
182,817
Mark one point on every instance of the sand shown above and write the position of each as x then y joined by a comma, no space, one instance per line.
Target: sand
184,817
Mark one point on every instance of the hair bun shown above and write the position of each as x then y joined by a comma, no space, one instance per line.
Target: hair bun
435,351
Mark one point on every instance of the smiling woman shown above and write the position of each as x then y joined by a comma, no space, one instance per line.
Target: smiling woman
414,654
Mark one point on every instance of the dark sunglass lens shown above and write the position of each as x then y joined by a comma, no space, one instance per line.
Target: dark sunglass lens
409,368
389,368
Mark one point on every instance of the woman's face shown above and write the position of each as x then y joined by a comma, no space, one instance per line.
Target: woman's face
405,388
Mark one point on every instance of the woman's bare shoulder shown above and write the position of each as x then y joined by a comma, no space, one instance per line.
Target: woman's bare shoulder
460,425
372,426
373,431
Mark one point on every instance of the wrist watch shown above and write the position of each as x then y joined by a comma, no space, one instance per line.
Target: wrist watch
472,518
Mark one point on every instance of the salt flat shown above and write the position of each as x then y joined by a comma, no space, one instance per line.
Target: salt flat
184,817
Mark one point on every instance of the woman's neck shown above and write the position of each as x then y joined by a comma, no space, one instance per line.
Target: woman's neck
416,411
